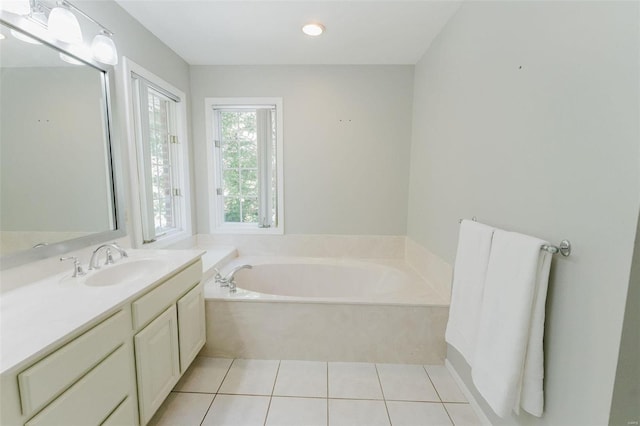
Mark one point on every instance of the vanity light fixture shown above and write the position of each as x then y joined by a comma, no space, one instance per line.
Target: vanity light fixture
19,7
104,49
70,59
313,29
64,25
23,37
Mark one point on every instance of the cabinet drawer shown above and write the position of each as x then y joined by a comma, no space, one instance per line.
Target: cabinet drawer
191,325
157,300
124,415
48,378
91,400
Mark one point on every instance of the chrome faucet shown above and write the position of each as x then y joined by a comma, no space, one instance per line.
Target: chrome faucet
218,277
109,256
229,280
77,268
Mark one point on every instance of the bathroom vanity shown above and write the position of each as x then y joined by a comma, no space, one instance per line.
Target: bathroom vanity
105,348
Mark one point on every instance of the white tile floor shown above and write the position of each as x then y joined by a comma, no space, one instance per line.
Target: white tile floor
243,392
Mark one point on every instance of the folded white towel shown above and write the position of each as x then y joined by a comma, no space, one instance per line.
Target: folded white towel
508,367
472,258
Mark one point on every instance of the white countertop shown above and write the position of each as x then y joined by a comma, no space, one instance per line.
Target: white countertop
38,315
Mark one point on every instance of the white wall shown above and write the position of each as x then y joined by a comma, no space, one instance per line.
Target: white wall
347,132
526,116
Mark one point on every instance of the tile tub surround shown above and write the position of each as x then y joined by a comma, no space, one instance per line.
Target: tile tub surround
325,331
430,266
297,393
351,246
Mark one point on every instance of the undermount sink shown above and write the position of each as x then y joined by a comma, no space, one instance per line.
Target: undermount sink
122,272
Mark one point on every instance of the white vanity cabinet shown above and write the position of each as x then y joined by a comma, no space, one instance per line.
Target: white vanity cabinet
115,370
171,324
81,383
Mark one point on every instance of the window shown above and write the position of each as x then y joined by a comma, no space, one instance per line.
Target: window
246,164
159,159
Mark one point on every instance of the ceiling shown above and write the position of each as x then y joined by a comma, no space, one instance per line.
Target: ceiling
242,32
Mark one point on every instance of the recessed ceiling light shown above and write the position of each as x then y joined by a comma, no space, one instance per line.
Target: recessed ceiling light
2,37
313,29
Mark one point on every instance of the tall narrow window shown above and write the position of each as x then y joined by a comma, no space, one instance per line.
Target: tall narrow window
246,170
160,161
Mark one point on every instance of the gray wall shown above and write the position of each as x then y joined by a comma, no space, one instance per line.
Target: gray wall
526,116
138,44
625,407
347,132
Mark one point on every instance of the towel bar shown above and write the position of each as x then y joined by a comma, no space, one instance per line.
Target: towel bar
564,248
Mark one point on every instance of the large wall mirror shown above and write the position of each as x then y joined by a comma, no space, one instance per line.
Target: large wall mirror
57,183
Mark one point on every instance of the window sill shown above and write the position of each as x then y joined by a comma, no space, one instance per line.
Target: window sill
247,230
167,240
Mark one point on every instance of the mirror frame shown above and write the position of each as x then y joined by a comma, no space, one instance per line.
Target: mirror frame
39,32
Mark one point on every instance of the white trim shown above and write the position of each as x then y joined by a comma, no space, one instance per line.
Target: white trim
181,129
216,224
467,394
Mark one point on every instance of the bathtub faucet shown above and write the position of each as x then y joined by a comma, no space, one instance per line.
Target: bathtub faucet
230,279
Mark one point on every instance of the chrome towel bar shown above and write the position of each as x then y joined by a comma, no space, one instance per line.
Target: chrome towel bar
564,248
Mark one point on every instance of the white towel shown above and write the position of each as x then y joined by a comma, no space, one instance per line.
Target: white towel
508,367
472,258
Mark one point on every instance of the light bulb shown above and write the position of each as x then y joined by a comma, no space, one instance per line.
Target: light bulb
64,26
104,49
23,37
19,7
313,30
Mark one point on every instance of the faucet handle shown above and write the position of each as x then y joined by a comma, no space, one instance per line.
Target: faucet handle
109,256
122,252
77,268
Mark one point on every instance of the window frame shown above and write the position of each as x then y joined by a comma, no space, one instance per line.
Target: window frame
217,225
181,171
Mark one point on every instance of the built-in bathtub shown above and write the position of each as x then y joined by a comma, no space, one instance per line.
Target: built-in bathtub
329,309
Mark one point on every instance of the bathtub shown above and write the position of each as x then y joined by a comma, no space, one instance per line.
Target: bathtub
328,280
328,309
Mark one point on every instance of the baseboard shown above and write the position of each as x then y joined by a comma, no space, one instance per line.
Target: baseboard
467,393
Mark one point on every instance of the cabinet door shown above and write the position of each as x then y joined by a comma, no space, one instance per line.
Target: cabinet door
157,363
191,325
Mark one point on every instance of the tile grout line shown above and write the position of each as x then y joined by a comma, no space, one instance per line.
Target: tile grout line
272,390
215,395
327,369
225,375
384,398
438,393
